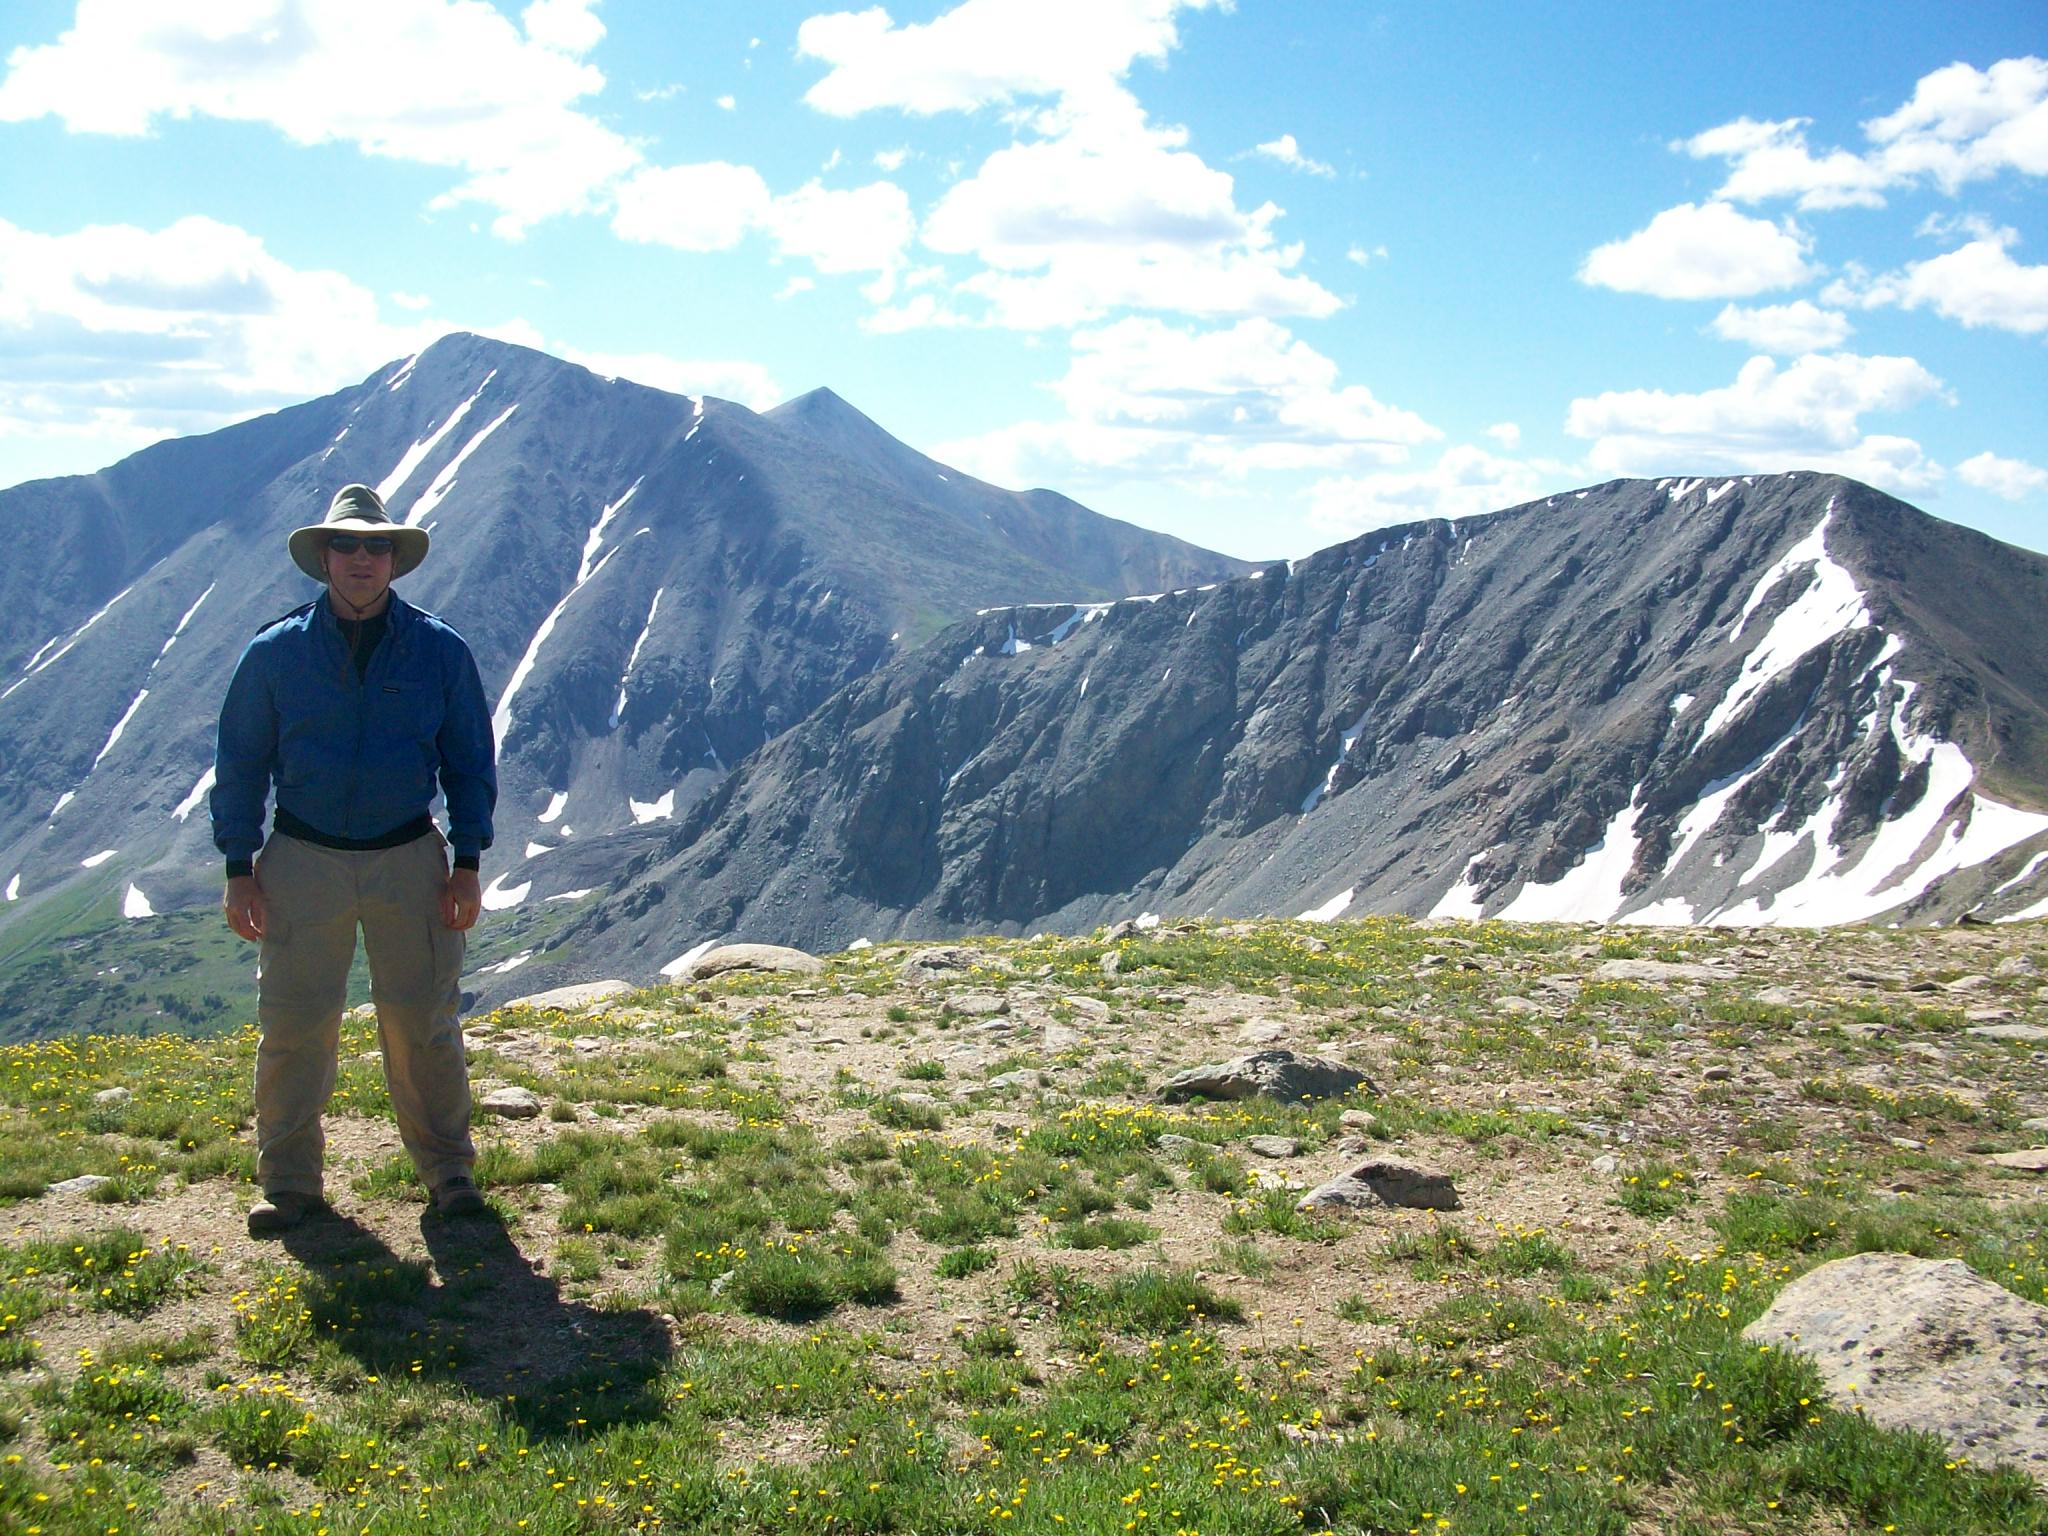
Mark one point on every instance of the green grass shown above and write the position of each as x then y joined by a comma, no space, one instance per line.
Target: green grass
710,1300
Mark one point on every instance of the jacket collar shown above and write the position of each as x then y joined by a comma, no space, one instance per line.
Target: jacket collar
398,615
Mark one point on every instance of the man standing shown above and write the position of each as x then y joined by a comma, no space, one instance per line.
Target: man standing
352,707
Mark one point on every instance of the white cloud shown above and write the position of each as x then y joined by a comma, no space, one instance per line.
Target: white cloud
1507,433
984,52
1806,415
412,301
1772,160
1962,124
714,206
114,336
1976,284
1110,212
861,229
1464,482
1706,251
1786,329
1092,209
567,26
1288,153
890,161
704,207
749,383
728,103
795,286
1144,397
2014,479
441,82
1359,255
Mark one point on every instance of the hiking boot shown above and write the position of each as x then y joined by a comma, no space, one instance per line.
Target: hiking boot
282,1211
458,1197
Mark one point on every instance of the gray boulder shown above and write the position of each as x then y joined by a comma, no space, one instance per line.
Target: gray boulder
1924,1344
1273,1146
976,1004
582,995
2027,1159
84,1184
934,960
1275,1074
1374,1185
510,1103
1655,970
2026,1034
754,957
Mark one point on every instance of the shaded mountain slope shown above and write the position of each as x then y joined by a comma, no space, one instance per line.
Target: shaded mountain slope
1745,700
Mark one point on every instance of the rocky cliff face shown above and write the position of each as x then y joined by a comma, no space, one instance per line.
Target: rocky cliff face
654,586
1785,699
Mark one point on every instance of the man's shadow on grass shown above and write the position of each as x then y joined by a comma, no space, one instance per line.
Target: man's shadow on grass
480,1315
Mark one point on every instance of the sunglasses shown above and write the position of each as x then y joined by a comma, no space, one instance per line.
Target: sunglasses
349,543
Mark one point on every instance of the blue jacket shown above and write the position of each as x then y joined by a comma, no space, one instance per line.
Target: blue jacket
354,758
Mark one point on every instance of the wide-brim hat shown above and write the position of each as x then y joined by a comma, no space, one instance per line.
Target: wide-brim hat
360,510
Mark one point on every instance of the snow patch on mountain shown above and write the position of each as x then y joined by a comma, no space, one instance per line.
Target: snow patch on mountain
498,896
120,725
135,905
501,717
187,619
1462,899
40,663
1590,891
633,658
1831,604
412,458
192,798
444,482
1330,909
645,811
1949,828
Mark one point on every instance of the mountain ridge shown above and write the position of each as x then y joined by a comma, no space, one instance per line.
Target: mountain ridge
1453,718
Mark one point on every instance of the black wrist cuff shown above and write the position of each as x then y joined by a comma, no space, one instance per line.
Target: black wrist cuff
472,862
238,868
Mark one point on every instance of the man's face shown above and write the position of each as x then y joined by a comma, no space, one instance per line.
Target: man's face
359,578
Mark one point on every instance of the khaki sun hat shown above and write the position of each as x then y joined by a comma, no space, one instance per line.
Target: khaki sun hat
360,510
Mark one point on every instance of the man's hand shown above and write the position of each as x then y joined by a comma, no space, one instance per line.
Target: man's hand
462,900
244,905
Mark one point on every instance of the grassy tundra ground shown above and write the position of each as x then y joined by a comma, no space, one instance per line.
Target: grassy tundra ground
853,1253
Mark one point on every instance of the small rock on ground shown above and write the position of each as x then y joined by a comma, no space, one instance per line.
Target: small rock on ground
1655,970
84,1184
2027,1160
1275,1074
510,1103
977,1004
1376,1184
1273,1146
2028,1034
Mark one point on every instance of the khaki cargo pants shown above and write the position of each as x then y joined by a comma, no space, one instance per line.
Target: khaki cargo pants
314,898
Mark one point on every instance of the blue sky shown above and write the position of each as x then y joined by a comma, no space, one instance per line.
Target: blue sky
1264,275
